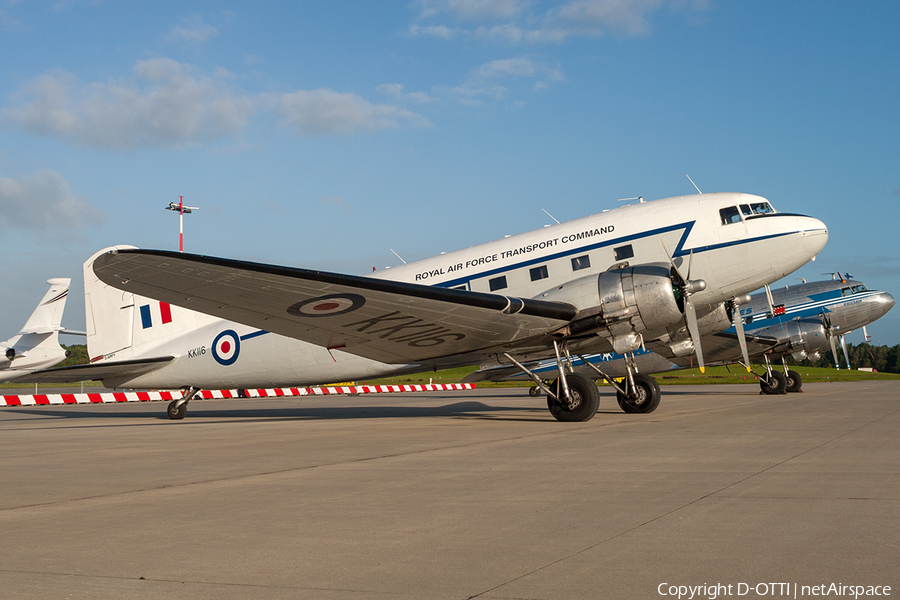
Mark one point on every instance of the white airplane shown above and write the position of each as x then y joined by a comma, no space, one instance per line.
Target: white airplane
37,345
607,282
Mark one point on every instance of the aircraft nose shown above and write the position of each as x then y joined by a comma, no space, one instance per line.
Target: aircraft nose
814,233
886,301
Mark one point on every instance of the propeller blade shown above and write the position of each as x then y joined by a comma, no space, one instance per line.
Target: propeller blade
837,364
846,355
690,315
742,339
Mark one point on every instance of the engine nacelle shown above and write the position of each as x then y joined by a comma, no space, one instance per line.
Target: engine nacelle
625,302
806,338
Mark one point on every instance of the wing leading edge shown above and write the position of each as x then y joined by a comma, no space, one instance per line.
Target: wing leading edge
388,321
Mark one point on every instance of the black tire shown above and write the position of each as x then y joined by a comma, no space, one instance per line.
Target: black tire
586,398
794,382
176,412
534,391
774,385
645,398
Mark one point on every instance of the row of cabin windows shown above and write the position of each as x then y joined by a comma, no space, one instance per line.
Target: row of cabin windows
578,263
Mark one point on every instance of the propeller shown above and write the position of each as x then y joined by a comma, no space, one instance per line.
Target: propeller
739,327
829,333
844,348
687,287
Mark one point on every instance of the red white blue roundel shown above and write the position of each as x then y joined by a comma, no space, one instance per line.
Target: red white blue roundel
226,347
327,306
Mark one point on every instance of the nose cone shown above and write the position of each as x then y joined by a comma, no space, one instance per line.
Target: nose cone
885,302
814,234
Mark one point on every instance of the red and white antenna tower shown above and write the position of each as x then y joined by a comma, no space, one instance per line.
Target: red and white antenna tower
181,209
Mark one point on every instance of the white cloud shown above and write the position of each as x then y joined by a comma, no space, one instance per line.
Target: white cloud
43,202
194,31
323,111
482,84
473,10
167,103
164,103
514,21
395,90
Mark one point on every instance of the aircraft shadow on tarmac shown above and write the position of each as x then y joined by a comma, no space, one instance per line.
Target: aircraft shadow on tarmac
156,411
460,410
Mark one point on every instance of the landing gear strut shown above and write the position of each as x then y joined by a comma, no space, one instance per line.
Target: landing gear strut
177,409
572,397
641,392
793,381
772,383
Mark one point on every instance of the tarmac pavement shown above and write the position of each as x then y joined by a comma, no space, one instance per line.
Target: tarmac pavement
455,495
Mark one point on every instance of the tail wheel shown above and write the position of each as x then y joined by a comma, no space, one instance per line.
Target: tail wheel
585,399
794,382
775,384
176,412
643,398
534,391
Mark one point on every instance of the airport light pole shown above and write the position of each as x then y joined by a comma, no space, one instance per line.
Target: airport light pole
182,209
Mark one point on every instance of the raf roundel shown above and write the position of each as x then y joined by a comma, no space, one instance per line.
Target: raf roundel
327,306
226,347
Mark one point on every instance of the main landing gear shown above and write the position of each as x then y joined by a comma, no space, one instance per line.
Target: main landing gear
177,409
574,397
774,382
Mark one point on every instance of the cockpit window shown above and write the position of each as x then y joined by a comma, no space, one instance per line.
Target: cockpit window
761,208
854,289
730,215
745,209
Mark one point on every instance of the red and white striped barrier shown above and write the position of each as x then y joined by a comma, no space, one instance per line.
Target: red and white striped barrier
111,397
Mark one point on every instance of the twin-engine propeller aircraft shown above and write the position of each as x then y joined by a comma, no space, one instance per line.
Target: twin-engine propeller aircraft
607,282
798,320
37,345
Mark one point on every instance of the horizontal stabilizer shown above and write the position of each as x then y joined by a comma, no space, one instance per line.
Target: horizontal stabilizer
125,369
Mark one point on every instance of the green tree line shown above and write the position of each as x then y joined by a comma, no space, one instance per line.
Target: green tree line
884,359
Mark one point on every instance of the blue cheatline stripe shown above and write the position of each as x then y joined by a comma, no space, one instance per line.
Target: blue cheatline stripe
679,251
253,335
145,316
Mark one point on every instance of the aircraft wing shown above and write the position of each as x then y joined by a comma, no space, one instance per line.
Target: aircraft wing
722,348
388,321
93,372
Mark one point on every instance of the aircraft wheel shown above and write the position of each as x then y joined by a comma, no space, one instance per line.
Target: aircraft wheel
176,412
794,381
645,397
534,392
776,384
585,395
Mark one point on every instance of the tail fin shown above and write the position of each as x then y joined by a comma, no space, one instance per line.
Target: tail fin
47,317
37,345
124,326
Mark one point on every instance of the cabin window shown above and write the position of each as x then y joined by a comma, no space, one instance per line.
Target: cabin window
498,283
539,273
581,262
730,215
461,287
623,252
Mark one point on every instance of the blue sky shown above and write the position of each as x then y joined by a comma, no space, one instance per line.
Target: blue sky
324,134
